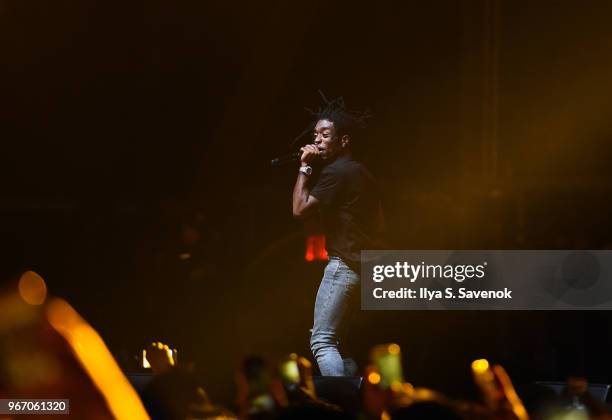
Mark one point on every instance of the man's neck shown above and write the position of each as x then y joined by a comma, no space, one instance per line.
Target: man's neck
344,155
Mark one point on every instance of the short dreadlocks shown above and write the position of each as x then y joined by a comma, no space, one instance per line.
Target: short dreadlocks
345,121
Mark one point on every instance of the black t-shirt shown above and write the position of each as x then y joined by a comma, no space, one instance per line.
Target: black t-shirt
350,209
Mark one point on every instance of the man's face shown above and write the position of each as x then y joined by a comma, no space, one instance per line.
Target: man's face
326,140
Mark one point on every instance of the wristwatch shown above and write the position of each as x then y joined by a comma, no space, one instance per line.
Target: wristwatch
306,170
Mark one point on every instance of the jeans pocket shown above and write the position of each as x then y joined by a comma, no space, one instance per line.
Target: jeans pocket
332,267
347,276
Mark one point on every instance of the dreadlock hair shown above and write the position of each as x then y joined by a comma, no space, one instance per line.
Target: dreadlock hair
345,121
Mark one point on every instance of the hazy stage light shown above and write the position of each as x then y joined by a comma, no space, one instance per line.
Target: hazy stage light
374,378
32,288
480,365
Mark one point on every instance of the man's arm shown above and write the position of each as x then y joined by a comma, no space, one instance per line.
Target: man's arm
304,203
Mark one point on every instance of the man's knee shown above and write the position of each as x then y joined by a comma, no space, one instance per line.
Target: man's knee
320,341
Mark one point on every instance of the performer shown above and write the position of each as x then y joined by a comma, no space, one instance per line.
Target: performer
346,197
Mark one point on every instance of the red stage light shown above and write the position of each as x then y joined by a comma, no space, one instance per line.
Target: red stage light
315,248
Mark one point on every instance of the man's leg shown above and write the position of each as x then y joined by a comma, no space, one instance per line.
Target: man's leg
337,291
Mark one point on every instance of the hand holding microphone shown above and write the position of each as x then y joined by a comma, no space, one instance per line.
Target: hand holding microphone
310,153
297,156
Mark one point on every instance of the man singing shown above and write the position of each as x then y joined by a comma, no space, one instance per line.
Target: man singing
346,197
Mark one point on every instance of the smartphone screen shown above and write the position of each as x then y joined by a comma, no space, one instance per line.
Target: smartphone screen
290,372
145,362
388,360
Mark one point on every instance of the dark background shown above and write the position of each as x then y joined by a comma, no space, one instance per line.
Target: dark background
135,132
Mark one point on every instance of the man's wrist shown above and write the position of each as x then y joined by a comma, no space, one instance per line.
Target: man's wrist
305,170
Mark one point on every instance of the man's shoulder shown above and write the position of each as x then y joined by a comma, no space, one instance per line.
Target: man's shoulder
347,171
354,169
343,166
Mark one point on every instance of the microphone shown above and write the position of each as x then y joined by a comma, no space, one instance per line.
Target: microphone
289,158
285,159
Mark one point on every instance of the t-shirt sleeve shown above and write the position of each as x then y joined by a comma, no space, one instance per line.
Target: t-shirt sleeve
327,187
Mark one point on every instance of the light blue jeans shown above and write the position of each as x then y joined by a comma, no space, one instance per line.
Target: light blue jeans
336,301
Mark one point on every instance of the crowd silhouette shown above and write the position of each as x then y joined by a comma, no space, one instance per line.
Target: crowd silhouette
49,351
